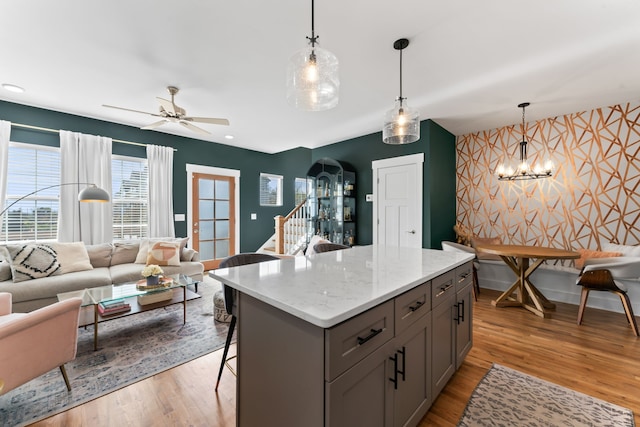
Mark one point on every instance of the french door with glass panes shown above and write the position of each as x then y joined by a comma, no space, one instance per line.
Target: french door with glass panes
213,225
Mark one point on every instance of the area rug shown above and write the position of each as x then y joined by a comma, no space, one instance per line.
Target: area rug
506,397
130,349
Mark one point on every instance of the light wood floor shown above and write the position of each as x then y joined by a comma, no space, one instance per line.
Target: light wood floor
600,358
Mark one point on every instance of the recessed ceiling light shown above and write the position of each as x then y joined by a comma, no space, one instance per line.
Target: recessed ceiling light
229,136
13,88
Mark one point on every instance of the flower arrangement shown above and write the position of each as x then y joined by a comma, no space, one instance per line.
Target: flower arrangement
151,270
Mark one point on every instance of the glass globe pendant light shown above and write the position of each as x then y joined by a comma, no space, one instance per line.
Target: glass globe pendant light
312,76
402,123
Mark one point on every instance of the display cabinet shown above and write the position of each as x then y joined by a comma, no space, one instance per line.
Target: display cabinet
332,201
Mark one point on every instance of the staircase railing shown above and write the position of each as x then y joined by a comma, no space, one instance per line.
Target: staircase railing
291,230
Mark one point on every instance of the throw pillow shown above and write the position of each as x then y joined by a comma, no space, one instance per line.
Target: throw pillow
164,253
32,261
145,244
588,253
125,252
5,270
478,241
100,254
72,257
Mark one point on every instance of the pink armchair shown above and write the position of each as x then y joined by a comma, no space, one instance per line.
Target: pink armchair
32,344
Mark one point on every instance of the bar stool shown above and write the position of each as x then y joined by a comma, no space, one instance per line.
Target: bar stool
236,261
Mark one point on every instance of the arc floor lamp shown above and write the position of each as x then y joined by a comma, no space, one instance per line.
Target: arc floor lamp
92,193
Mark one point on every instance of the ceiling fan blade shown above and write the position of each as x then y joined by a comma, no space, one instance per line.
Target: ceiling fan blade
194,127
154,125
210,120
129,109
167,105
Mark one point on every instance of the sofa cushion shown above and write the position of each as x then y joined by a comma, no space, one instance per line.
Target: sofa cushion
588,253
32,261
49,287
125,252
146,244
72,256
164,253
625,250
100,254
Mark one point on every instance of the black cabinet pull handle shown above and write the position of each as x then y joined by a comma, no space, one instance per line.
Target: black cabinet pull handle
444,289
394,380
404,361
417,306
373,333
459,312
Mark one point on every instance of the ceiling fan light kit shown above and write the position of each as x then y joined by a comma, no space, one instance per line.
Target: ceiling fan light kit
169,112
312,76
401,123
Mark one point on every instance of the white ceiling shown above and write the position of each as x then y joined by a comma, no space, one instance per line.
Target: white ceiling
469,63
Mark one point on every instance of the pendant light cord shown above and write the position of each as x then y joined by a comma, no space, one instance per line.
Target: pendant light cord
401,76
313,39
523,144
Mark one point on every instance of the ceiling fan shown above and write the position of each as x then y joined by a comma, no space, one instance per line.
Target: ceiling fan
171,113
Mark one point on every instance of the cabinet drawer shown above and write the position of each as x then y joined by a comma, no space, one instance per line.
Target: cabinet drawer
464,275
411,305
441,287
349,342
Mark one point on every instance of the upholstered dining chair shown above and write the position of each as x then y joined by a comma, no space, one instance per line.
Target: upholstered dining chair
600,274
328,247
32,344
229,303
457,247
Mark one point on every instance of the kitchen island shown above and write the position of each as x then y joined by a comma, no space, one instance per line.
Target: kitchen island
363,336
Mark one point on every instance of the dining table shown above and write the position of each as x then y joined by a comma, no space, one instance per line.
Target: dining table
523,261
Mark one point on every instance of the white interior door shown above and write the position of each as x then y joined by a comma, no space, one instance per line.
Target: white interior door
397,201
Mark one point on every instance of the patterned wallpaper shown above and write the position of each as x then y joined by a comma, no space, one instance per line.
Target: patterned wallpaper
592,197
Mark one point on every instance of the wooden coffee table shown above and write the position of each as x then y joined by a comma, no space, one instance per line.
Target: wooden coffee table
91,297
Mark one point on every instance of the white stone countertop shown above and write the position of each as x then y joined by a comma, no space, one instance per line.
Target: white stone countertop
329,288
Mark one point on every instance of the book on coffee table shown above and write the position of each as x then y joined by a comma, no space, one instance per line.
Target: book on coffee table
113,307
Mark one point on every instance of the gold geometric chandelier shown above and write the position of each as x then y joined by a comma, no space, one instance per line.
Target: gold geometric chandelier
524,171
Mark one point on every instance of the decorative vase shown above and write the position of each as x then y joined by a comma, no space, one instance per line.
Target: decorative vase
153,280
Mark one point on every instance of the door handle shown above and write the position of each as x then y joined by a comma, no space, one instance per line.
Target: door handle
412,232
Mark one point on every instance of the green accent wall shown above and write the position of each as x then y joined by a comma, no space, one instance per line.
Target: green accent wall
290,164
439,174
437,144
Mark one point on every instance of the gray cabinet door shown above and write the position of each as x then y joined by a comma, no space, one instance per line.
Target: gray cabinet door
464,323
443,361
412,397
362,396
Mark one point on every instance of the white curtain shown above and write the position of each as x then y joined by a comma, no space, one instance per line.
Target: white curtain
84,159
5,131
160,163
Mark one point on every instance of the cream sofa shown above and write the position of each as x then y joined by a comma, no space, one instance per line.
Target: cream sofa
110,263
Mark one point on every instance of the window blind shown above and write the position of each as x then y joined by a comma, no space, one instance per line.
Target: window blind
130,197
31,167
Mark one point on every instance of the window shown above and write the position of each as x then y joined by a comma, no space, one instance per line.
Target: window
301,190
270,190
130,196
31,167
